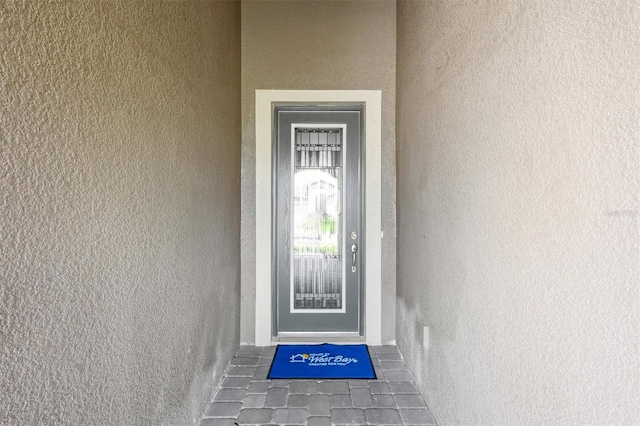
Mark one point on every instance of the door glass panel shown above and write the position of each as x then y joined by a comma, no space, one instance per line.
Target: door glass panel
317,281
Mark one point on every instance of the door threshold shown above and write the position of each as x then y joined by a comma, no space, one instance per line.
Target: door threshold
316,338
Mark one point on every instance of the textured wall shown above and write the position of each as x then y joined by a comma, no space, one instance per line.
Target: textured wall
518,215
119,209
318,45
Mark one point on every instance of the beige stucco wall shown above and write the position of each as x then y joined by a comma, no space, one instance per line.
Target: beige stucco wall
318,45
518,191
119,209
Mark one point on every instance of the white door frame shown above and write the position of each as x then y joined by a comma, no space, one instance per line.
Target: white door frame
372,99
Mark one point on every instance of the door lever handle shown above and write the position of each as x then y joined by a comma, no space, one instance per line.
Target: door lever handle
354,249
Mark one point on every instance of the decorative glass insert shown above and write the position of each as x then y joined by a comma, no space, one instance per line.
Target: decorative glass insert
317,219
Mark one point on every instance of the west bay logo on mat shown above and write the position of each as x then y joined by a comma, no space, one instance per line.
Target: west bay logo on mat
322,359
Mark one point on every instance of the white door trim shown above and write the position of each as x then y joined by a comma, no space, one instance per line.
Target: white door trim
373,202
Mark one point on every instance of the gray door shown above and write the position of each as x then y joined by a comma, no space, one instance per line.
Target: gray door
318,220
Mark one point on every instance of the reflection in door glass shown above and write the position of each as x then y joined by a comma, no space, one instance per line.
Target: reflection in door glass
317,212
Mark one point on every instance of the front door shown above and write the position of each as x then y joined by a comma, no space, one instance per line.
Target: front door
318,220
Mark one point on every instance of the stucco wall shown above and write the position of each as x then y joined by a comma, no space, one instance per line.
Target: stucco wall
119,209
318,45
518,191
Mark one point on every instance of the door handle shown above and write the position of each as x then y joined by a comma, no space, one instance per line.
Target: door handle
354,249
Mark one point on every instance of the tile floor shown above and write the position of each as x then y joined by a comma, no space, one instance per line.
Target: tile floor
246,397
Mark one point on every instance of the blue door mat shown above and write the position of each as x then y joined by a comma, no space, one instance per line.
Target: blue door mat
324,361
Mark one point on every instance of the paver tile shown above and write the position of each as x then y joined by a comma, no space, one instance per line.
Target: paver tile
320,405
276,397
398,376
259,387
403,387
249,351
255,416
269,351
254,401
240,371
385,349
279,383
361,398
340,401
319,421
298,401
383,416
421,416
264,362
389,356
379,373
230,395
383,401
358,383
236,382
392,365
333,387
218,422
347,416
261,373
291,416
379,387
223,409
246,361
409,401
303,386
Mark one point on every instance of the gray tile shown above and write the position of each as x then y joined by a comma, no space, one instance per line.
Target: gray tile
392,365
218,422
347,416
249,351
298,401
383,416
236,382
304,386
269,351
276,397
403,387
320,405
246,361
333,387
279,383
389,356
398,376
409,401
420,416
254,401
223,409
385,349
361,398
383,401
291,416
379,387
230,395
255,416
264,362
379,373
260,373
358,384
241,371
319,421
259,387
340,401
